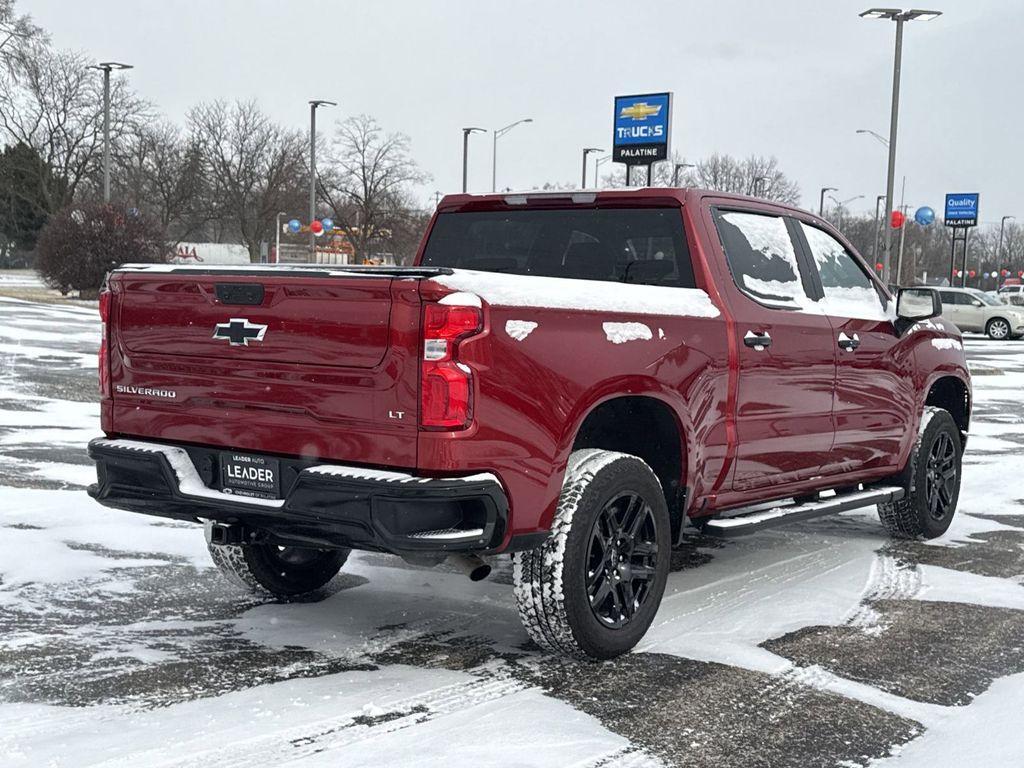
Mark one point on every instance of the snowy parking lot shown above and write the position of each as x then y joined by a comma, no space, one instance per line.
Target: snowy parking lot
820,644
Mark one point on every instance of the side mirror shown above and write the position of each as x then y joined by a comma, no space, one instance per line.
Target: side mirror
913,304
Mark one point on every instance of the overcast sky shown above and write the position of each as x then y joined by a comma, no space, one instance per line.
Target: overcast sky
785,78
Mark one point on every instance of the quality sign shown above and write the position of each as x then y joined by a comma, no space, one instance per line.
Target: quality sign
962,209
642,127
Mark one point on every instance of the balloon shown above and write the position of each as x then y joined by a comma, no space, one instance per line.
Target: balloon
924,215
972,273
316,228
294,225
897,219
879,266
995,274
328,224
1004,272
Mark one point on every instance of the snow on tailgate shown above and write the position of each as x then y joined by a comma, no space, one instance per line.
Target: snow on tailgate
586,295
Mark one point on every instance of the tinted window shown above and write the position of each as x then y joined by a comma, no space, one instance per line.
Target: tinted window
849,291
948,298
634,245
761,257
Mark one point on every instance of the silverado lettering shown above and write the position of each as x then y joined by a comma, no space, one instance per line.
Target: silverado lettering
571,379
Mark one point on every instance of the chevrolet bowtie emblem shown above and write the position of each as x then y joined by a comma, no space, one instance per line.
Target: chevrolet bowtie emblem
640,111
239,331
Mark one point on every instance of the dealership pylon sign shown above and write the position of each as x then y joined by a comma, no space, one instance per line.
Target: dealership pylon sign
961,209
641,128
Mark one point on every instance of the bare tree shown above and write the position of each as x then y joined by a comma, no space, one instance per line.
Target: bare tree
366,181
161,171
19,38
756,175
55,106
254,166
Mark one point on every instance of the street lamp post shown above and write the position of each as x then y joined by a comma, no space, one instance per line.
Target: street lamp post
821,199
277,238
597,168
465,152
757,184
107,67
587,151
999,250
899,16
879,137
494,156
676,169
874,243
313,104
840,206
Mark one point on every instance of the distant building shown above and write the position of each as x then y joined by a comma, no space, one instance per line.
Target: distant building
210,253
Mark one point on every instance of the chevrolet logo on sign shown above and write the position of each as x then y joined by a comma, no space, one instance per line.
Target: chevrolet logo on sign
641,128
640,111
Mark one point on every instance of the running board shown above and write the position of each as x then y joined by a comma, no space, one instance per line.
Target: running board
769,518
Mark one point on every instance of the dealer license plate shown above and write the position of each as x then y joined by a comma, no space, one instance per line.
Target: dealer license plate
244,474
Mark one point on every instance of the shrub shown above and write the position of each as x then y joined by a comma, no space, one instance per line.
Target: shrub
82,243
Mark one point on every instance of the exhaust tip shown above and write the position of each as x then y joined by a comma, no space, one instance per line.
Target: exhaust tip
470,565
480,573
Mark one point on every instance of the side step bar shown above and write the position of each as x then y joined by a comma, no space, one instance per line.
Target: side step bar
769,518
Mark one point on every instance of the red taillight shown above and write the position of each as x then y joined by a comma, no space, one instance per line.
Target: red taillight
104,356
446,385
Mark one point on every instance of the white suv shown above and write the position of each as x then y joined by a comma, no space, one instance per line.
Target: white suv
1012,294
971,310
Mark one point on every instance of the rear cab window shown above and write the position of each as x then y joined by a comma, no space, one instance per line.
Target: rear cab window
629,245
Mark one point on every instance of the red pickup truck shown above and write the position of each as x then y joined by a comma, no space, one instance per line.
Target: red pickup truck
572,378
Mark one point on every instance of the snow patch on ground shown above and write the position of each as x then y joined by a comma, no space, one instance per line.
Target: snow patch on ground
620,333
520,329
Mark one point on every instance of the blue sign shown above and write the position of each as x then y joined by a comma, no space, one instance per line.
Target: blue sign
962,209
642,126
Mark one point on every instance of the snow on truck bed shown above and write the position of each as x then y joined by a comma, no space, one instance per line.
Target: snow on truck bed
586,295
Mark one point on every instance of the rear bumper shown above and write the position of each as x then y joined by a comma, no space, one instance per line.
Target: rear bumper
327,505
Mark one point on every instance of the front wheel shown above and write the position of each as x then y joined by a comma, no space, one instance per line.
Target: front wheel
282,572
592,589
998,329
933,481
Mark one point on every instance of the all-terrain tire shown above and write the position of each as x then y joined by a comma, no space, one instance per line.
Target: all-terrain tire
912,517
550,581
266,569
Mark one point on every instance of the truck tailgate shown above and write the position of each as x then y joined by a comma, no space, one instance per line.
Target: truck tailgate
320,366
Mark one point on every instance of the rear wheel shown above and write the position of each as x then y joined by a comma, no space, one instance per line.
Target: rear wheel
933,482
593,588
998,329
284,572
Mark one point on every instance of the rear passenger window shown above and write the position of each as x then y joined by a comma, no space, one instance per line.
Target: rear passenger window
761,257
628,245
849,291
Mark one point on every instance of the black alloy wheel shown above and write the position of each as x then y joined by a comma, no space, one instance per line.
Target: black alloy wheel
621,559
941,476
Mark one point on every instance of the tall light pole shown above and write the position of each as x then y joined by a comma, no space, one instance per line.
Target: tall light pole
313,104
587,151
107,67
899,16
840,205
757,184
999,250
676,168
821,199
494,156
277,238
465,152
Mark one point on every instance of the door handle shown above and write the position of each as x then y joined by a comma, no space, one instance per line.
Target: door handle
758,341
849,343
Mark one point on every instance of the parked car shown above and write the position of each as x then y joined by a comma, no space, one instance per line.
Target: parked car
977,312
1012,294
570,378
